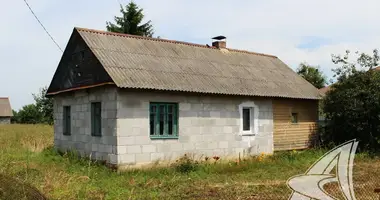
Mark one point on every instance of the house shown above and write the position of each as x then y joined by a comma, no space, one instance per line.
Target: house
134,100
5,111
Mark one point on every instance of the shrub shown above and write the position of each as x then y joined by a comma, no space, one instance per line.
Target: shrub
186,164
352,111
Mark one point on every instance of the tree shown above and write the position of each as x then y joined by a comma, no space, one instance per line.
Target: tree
352,106
312,75
44,106
15,118
363,62
130,22
29,114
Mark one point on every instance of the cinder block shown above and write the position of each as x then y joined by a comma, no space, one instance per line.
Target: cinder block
134,149
121,150
195,122
206,130
227,129
220,122
136,131
196,107
110,140
196,138
208,138
185,122
217,130
188,146
81,116
212,145
94,147
142,139
184,138
85,107
176,147
231,107
184,106
215,114
157,156
143,158
223,145
108,149
78,146
128,159
126,140
112,95
201,145
113,159
163,147
195,130
148,148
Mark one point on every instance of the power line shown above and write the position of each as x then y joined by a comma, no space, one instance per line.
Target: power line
51,37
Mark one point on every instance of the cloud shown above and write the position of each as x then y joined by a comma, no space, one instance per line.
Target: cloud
294,30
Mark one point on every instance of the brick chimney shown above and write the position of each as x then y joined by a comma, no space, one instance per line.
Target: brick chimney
220,42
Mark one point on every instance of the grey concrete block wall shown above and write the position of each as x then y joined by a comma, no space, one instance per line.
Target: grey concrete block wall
81,140
208,126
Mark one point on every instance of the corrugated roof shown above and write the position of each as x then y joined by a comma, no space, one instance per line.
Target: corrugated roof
5,107
149,63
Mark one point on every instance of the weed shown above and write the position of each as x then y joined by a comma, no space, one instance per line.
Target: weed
186,164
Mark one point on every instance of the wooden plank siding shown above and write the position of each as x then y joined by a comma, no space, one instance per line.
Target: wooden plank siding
288,135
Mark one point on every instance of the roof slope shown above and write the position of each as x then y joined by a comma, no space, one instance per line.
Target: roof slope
5,107
147,63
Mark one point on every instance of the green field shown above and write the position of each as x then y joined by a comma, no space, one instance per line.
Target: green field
26,154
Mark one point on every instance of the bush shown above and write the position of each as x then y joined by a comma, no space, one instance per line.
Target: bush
352,109
185,164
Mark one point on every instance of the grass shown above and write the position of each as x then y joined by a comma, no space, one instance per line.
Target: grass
26,154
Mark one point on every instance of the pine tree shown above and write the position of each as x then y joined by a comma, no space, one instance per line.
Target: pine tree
130,22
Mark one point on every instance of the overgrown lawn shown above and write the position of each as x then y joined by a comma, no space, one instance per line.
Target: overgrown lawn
26,154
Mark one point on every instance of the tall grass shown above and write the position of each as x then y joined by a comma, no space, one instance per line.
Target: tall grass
26,154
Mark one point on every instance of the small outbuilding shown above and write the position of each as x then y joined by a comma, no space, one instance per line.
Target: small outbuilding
5,111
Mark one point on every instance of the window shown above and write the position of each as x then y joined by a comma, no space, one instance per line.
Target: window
294,118
249,118
96,119
163,120
66,120
246,119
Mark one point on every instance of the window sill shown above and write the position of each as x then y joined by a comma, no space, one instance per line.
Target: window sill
96,135
248,134
163,137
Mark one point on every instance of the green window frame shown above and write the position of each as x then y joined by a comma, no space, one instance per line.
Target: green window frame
163,120
96,119
66,120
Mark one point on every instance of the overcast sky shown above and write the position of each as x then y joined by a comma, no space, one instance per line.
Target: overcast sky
294,30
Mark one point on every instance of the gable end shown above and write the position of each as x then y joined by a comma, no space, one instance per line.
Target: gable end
79,68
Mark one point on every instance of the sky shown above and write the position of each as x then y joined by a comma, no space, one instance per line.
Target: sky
294,30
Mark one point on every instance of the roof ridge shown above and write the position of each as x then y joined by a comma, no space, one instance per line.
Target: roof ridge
169,41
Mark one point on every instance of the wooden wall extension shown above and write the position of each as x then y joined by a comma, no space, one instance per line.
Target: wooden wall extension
288,136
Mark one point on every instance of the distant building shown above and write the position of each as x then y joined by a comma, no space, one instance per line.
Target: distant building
5,111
